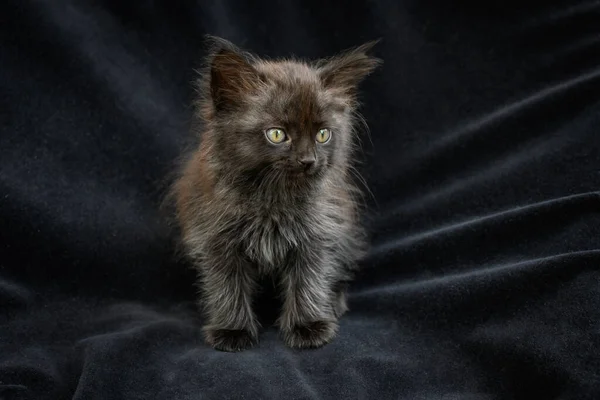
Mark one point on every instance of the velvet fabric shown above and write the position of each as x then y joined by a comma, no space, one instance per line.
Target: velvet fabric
483,164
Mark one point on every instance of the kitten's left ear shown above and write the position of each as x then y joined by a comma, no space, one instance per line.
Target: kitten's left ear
347,70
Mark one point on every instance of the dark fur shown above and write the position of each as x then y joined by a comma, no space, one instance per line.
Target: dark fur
247,208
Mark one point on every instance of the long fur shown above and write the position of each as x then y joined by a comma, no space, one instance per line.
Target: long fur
246,210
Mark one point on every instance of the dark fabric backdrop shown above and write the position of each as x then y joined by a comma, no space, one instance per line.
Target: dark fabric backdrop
483,278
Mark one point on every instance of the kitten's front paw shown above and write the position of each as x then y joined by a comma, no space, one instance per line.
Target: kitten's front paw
310,335
231,340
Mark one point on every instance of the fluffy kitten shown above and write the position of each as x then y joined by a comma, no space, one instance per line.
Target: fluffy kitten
269,192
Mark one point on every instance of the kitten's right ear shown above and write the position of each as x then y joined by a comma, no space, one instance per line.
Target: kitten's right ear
232,75
346,70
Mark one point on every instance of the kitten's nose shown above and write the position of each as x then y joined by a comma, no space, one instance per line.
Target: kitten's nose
307,161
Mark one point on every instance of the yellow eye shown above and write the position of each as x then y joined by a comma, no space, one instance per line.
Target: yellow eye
275,135
323,135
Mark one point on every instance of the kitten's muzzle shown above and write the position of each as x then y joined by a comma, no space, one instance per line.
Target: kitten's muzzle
307,163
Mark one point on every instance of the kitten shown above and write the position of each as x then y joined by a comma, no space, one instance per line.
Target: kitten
269,192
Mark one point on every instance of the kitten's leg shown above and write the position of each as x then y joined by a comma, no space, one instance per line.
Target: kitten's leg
227,286
340,302
308,318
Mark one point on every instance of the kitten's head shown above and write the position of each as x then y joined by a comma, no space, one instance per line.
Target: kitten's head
285,118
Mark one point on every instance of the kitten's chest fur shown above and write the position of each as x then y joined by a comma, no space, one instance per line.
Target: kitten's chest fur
269,234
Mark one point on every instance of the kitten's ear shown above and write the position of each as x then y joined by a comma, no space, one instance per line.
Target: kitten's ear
346,70
232,75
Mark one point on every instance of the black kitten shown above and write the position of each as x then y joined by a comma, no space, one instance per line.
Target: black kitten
269,191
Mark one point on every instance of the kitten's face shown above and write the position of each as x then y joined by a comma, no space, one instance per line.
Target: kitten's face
290,124
284,118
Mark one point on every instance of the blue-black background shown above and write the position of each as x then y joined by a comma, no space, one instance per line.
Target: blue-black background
483,278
